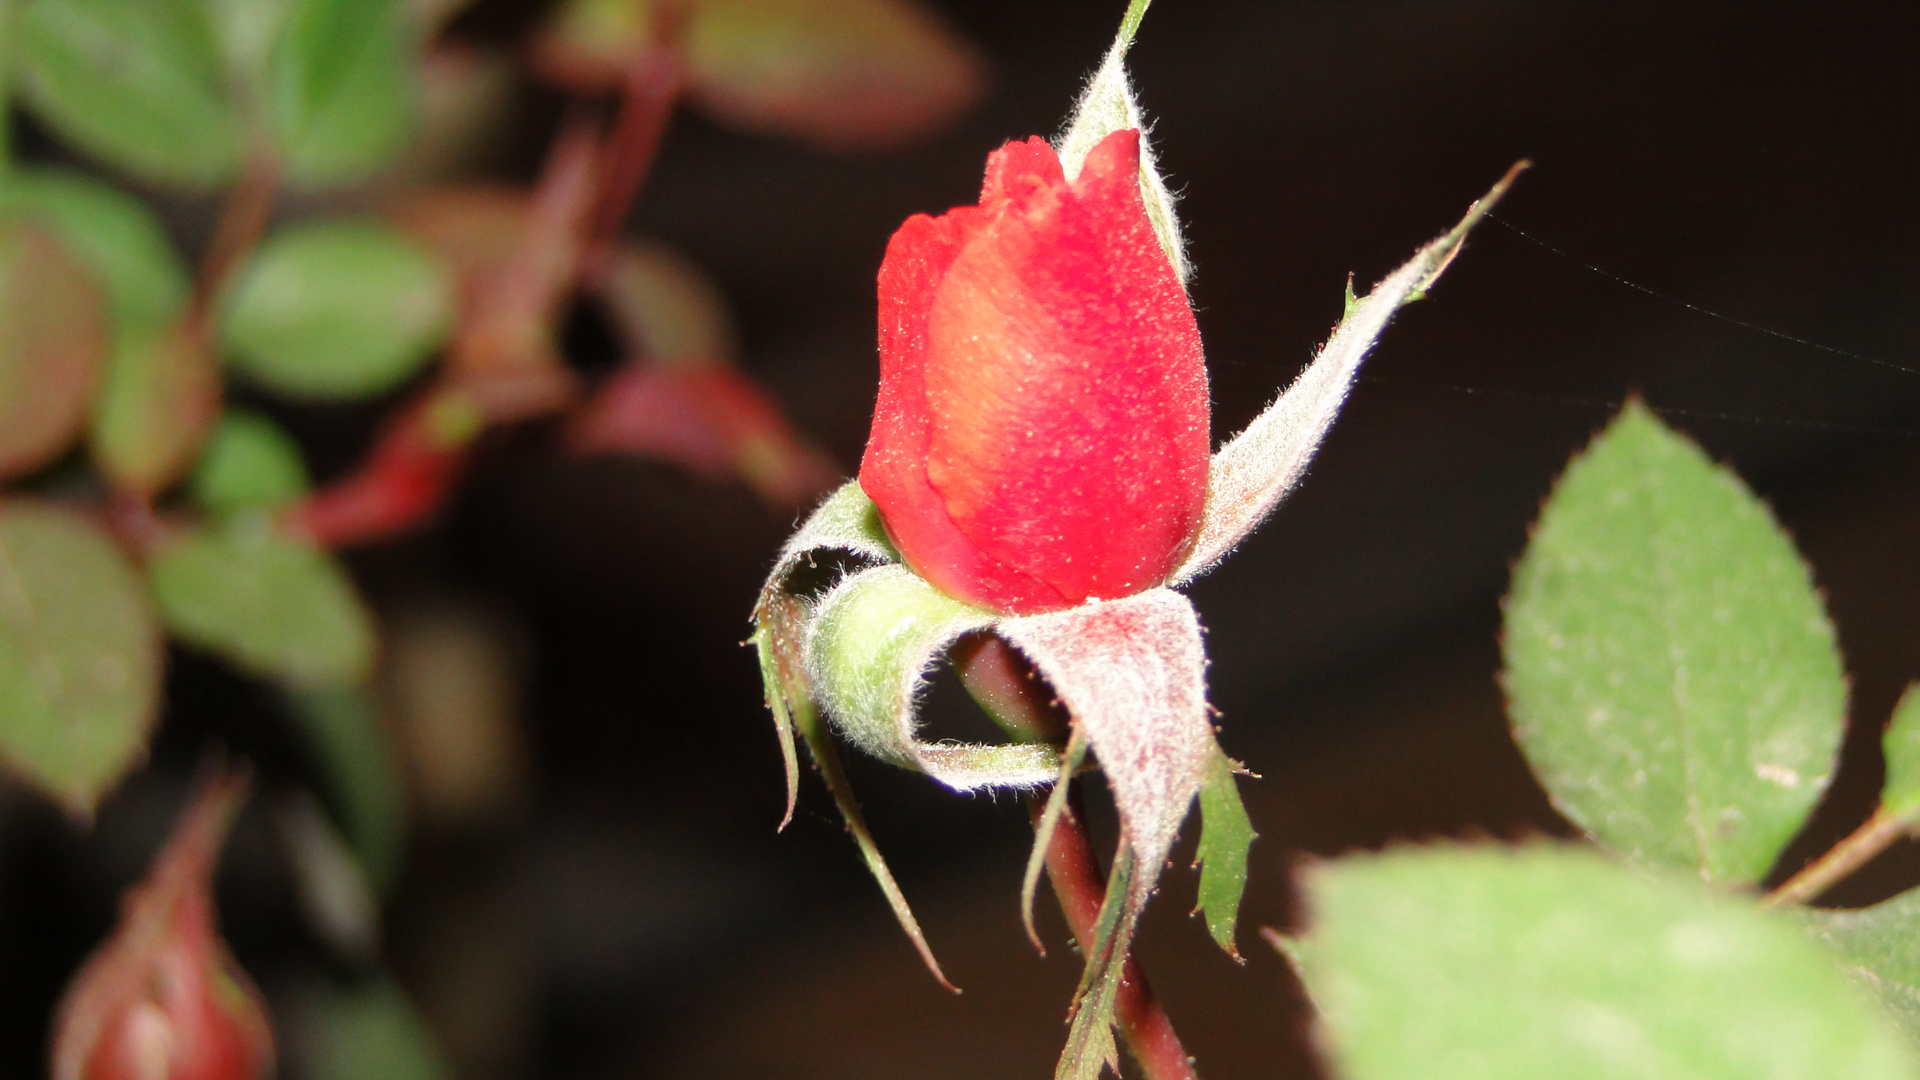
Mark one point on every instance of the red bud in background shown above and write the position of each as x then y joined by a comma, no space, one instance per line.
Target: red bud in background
163,998
1041,434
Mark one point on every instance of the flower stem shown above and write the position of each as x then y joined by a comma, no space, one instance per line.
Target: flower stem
1850,854
242,221
1075,877
1007,687
650,92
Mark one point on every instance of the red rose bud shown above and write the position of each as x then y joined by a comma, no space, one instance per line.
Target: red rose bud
163,999
1041,432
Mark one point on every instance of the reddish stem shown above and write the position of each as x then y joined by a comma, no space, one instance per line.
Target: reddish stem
1006,685
1075,877
242,222
650,91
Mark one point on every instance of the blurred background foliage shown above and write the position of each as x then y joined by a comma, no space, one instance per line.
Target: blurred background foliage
558,778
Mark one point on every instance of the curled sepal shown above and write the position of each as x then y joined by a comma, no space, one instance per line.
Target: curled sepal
869,646
847,522
1107,106
1252,473
1133,674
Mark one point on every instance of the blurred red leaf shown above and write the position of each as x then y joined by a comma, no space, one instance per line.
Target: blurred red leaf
710,418
53,339
403,481
161,397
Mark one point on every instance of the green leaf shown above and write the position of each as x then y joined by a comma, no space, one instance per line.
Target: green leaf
1881,945
338,310
114,234
342,89
1671,674
140,85
79,655
838,73
249,464
1901,746
1464,963
161,396
360,765
273,605
363,1033
52,345
1226,832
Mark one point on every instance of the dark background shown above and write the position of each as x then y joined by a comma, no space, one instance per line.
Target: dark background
640,918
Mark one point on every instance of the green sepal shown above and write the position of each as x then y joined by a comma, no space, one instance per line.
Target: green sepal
1249,476
1106,106
870,643
1226,833
1090,1043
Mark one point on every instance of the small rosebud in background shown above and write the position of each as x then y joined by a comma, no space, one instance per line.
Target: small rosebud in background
163,998
1041,435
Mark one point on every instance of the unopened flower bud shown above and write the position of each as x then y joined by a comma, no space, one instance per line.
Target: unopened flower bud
163,999
1041,437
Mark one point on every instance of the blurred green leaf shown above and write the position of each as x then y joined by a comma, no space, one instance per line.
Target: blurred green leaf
1671,674
371,1032
335,894
138,84
1881,944
246,32
1901,744
52,343
1226,833
338,310
80,658
360,766
162,394
274,605
113,233
839,73
342,89
249,463
1447,962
